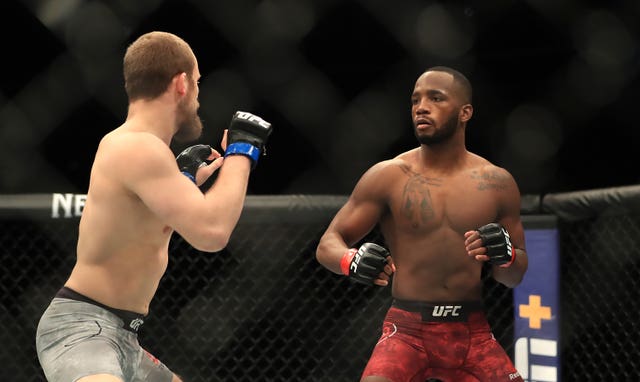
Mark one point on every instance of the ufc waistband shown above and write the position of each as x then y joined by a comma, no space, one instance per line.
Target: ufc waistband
132,320
457,311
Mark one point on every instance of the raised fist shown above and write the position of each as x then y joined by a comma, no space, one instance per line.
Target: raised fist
192,158
247,135
365,264
498,243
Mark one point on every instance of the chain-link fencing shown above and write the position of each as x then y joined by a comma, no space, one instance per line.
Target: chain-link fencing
264,309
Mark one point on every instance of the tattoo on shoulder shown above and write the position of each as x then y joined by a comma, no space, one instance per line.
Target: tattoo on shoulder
491,180
436,182
417,205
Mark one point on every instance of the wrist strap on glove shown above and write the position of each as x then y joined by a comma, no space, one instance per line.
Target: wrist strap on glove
345,262
243,148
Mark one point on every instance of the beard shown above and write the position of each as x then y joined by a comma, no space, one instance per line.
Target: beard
189,123
443,134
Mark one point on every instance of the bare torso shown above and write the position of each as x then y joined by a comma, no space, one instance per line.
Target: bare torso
425,220
122,249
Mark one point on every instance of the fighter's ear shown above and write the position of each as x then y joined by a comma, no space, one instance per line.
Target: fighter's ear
180,83
466,111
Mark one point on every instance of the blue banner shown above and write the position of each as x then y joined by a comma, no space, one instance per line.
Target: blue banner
537,308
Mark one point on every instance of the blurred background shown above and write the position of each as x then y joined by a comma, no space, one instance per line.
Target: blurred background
556,84
556,88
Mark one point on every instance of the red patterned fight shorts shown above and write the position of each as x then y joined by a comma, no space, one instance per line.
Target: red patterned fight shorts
451,342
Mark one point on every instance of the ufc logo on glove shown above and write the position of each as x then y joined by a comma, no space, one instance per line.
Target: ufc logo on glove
252,118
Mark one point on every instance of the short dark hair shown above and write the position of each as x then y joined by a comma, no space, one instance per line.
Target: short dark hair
466,91
152,61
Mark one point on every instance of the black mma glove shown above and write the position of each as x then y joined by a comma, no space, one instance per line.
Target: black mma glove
364,264
192,158
247,135
498,243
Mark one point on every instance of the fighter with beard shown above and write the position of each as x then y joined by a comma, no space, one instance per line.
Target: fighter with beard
137,197
444,214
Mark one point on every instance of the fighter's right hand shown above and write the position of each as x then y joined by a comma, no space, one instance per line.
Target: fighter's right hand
368,264
191,159
247,135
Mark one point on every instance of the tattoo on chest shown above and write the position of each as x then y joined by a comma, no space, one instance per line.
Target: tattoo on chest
490,180
417,205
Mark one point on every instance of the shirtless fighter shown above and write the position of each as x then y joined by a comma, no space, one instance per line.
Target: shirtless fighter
138,196
444,213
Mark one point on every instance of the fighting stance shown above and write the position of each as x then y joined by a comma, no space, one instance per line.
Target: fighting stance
138,196
444,213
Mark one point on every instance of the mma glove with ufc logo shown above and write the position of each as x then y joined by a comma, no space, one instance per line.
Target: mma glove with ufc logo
247,135
364,264
498,243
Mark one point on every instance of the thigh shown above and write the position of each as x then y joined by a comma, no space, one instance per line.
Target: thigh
100,378
450,375
85,357
151,369
397,357
71,345
488,361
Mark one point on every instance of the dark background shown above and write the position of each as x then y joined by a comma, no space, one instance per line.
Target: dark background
556,84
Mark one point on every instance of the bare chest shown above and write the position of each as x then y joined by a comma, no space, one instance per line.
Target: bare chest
420,204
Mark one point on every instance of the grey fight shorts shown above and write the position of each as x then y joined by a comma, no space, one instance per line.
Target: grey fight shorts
76,339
